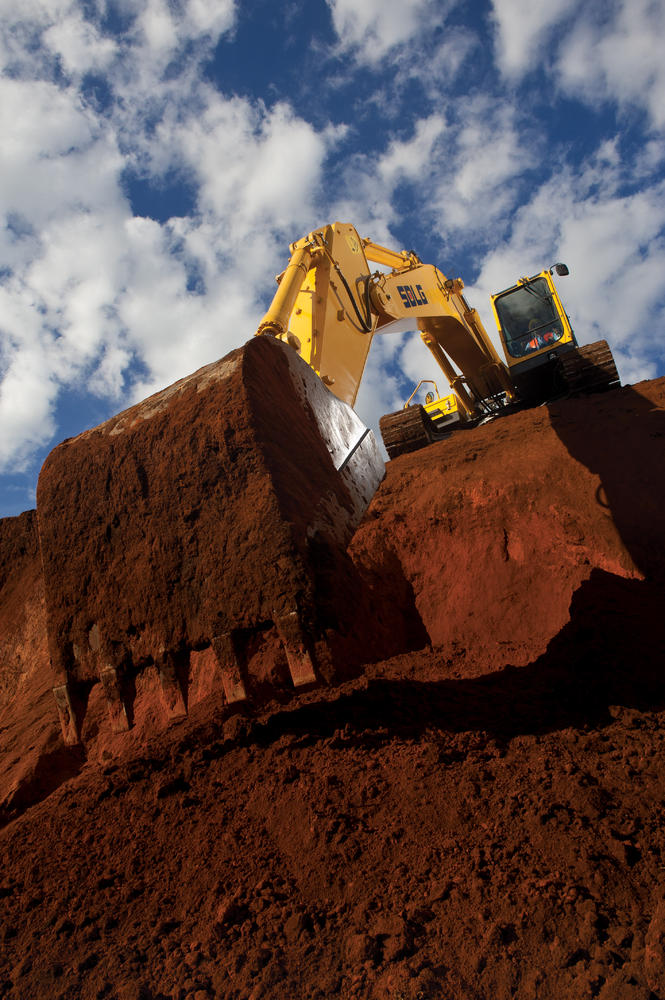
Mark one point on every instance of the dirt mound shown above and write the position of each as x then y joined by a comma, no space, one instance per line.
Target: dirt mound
494,530
479,816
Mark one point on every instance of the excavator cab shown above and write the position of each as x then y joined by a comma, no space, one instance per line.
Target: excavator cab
534,330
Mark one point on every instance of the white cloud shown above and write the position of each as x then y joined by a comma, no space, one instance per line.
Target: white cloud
493,149
32,32
381,392
256,168
157,26
55,125
162,26
100,288
375,27
402,41
80,45
523,32
413,158
26,415
205,17
439,70
593,52
257,173
59,195
86,288
618,59
466,163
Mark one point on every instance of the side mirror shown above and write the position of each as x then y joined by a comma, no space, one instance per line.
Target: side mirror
560,269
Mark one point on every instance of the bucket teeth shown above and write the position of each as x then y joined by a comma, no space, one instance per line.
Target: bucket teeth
117,711
66,713
171,690
292,634
224,649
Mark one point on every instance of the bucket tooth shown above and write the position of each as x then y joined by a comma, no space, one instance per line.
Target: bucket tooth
227,660
171,690
66,713
117,711
292,634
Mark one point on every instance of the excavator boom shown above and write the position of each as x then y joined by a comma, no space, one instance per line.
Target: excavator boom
329,306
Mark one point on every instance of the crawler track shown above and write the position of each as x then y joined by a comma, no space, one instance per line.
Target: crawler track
589,369
407,430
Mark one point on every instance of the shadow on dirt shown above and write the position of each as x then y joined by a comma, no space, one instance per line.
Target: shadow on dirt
620,437
610,653
47,773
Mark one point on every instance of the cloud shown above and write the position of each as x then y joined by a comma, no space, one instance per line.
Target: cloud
257,169
402,42
411,159
617,59
60,197
523,32
592,52
100,289
95,299
80,45
25,409
376,27
257,173
165,27
494,148
466,164
381,390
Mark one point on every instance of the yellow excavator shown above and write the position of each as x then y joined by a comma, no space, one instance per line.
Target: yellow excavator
329,305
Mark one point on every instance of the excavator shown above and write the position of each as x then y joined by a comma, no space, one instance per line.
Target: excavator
329,305
205,528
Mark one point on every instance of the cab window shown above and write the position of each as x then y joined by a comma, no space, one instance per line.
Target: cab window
528,318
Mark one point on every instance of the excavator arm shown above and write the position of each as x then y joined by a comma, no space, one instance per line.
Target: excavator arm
450,328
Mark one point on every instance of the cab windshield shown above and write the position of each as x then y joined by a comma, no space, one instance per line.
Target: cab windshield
528,318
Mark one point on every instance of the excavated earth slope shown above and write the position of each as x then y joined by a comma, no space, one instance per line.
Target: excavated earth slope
481,816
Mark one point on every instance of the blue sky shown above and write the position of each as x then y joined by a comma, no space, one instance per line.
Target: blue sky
158,157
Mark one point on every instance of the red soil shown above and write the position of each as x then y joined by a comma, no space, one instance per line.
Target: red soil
480,816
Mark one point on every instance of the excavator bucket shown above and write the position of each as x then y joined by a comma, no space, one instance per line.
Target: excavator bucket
198,523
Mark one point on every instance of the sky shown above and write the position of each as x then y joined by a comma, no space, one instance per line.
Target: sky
158,157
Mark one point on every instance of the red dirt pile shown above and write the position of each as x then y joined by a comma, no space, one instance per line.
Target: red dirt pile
479,816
